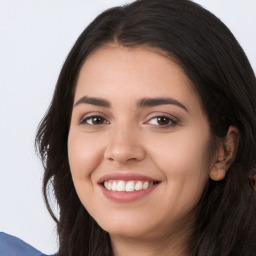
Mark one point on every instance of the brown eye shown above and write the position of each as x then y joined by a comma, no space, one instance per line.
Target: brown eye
94,120
97,120
162,121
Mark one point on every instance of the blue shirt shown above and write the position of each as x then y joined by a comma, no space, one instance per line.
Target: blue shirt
13,246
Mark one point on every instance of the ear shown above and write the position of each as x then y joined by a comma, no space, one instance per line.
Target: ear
225,154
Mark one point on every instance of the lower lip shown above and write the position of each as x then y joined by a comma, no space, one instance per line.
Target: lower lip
127,197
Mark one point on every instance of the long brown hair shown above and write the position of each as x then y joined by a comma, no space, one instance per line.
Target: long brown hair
225,82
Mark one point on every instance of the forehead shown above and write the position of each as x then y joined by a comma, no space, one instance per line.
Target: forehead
135,72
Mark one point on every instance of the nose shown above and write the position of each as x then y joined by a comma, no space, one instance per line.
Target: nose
124,146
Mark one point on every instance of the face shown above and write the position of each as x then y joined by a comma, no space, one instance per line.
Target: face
138,142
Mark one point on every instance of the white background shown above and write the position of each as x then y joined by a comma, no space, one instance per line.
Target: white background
35,37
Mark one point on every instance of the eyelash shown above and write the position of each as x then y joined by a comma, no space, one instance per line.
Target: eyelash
171,121
85,120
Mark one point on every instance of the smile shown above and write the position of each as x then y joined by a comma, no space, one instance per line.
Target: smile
127,186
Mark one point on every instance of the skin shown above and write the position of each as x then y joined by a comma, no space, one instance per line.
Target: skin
129,139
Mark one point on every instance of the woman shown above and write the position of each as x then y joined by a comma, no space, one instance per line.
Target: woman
149,142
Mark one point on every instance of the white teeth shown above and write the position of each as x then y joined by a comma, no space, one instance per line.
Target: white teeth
127,186
138,185
114,186
120,185
109,186
145,185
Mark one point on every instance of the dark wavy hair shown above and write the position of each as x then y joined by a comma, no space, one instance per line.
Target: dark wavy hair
225,82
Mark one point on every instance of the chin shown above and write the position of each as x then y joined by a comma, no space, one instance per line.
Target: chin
128,232
130,227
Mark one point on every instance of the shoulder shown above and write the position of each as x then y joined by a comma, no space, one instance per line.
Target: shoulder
13,246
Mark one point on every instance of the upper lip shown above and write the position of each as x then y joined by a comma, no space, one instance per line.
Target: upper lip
125,176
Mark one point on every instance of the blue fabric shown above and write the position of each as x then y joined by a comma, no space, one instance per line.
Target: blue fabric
13,246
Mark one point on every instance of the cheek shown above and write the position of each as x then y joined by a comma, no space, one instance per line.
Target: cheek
84,154
182,158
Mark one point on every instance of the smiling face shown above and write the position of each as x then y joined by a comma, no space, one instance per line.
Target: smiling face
138,143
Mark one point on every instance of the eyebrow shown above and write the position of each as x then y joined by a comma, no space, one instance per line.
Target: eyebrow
143,103
93,101
152,102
